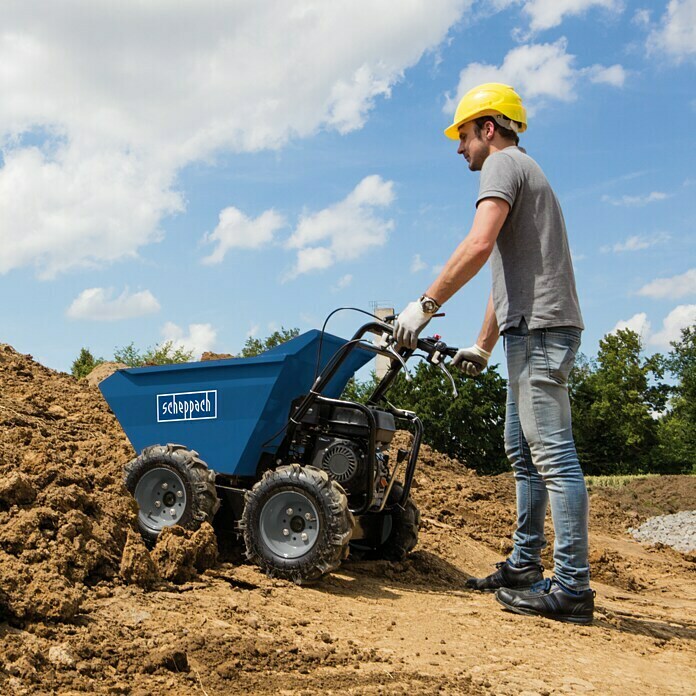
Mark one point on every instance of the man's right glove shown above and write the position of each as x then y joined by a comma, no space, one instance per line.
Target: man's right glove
409,323
471,361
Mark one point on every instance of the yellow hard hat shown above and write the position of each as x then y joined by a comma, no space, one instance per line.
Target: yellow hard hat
490,99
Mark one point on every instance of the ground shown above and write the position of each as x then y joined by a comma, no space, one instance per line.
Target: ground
75,623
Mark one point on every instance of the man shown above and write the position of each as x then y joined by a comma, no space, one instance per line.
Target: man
534,305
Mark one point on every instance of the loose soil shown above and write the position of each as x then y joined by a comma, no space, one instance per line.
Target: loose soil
87,609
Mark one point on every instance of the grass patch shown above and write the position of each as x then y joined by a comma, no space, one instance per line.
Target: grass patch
615,481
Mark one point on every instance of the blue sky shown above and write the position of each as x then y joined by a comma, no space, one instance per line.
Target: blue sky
205,171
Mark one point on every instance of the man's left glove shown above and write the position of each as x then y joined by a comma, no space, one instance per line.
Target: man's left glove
471,361
410,322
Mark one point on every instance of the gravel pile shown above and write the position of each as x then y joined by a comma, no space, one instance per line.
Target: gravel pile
677,531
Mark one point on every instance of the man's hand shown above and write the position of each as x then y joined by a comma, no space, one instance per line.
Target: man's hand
471,361
410,322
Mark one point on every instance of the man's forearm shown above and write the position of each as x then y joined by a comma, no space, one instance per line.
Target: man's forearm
489,331
469,257
466,261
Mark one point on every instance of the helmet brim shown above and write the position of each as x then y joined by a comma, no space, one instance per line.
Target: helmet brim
452,132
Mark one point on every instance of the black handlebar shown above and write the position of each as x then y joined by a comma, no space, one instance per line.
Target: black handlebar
433,344
429,345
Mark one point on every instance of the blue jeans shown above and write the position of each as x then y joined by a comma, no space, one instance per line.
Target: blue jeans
539,444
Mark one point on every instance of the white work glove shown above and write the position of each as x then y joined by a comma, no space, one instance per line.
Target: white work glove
410,322
471,361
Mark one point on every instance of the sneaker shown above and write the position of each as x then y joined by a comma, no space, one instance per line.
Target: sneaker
507,575
550,599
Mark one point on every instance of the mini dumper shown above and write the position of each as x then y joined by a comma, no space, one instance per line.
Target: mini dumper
268,452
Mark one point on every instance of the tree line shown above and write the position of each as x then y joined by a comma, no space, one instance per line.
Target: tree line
632,413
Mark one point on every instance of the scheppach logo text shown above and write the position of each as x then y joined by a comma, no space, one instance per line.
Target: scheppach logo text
184,406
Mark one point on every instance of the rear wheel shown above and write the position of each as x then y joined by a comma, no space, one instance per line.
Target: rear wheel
399,536
296,523
171,485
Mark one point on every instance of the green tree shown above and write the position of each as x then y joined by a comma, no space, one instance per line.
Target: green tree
163,354
677,427
84,363
256,346
616,401
469,428
356,390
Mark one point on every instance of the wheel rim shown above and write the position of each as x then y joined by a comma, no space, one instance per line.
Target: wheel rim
161,498
289,524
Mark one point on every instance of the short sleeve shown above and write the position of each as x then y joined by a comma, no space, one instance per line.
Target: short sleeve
500,178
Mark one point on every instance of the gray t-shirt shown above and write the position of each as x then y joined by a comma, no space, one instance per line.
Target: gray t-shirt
532,270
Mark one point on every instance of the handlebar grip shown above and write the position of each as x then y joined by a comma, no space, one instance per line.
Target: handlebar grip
429,346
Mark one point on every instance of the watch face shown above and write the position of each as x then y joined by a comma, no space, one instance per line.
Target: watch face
428,306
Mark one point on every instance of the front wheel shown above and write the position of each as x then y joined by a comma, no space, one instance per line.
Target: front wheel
296,523
171,485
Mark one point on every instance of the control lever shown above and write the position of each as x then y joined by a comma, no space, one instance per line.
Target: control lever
441,366
407,374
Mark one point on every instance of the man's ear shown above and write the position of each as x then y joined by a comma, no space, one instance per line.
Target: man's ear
490,130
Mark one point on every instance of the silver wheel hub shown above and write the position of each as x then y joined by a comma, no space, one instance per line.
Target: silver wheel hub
289,524
161,498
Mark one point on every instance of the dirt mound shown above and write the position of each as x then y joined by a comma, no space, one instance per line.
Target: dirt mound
63,514
102,371
209,355
629,505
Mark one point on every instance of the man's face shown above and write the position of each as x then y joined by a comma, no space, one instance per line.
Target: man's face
474,148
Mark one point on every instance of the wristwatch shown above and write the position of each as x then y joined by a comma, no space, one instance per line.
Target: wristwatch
428,305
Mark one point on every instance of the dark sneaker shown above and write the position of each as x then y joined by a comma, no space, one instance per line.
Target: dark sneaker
549,599
507,575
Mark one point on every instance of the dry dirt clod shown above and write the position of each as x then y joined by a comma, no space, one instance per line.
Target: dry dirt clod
180,554
137,566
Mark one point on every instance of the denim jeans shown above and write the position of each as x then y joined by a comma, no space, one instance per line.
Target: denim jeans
539,444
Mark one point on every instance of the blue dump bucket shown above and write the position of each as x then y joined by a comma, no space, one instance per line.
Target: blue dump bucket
228,410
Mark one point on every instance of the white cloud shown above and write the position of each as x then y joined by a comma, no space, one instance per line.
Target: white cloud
253,331
199,339
345,230
641,17
69,209
343,282
638,323
672,288
537,71
636,201
418,264
676,34
636,242
545,14
121,100
237,231
614,75
679,318
99,304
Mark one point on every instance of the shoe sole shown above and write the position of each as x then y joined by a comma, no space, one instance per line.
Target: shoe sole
564,618
492,590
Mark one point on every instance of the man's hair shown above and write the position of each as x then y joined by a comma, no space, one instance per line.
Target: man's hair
504,132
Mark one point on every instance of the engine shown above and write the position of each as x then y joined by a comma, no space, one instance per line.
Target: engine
342,447
343,460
